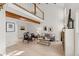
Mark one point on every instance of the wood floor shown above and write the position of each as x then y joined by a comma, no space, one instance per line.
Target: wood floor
34,49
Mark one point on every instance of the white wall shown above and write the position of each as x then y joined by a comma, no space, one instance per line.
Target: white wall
53,17
69,42
12,37
21,32
77,44
2,31
77,34
32,27
29,27
75,16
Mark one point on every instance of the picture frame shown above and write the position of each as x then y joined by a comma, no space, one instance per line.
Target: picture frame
50,29
45,28
22,28
10,27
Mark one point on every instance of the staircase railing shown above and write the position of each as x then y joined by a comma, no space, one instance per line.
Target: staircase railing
31,8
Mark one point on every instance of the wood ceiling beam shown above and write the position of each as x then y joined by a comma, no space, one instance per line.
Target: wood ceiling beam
13,15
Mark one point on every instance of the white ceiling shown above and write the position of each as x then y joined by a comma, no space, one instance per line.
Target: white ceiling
59,5
68,5
64,5
71,5
52,4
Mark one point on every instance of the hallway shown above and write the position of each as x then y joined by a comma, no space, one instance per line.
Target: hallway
34,49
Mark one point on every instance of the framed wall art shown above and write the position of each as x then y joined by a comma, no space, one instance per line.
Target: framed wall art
50,29
45,28
10,27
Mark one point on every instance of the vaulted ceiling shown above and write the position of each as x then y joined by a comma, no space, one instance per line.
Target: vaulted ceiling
64,5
